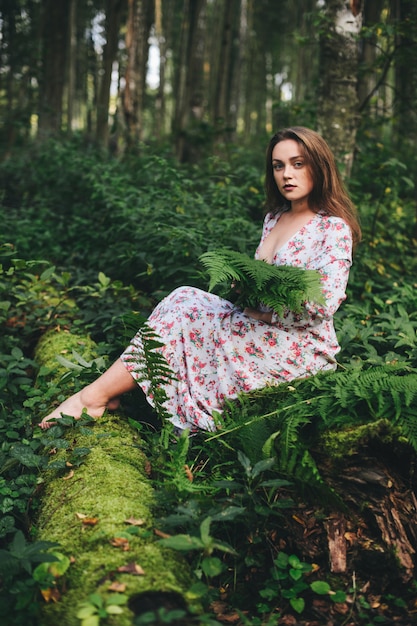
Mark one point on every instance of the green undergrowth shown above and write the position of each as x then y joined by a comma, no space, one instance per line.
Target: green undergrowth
334,412
89,239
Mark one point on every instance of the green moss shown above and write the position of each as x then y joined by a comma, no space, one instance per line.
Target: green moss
62,343
347,442
110,486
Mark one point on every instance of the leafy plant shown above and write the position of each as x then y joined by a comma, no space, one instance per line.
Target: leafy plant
96,608
18,583
277,287
150,365
209,565
289,582
291,419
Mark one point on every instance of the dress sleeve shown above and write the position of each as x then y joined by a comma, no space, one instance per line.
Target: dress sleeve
333,263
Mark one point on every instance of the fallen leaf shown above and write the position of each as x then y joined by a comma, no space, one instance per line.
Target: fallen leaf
51,594
159,533
341,607
16,322
90,521
134,522
350,537
375,602
288,620
69,475
87,521
131,568
120,542
118,587
189,473
68,464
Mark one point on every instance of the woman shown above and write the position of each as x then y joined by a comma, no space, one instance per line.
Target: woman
217,350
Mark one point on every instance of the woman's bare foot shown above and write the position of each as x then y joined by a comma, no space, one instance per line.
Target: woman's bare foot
81,402
94,399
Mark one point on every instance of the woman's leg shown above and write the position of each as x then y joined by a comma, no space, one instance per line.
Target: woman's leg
100,395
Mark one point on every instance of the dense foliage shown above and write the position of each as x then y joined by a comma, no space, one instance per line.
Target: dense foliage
87,240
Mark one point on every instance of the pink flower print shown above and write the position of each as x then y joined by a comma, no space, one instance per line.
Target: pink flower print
241,329
197,364
296,246
196,338
254,350
236,356
270,339
232,391
193,314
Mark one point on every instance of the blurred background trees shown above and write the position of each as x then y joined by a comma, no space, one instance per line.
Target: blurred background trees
202,73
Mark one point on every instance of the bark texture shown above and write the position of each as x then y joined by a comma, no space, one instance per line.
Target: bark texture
338,101
54,59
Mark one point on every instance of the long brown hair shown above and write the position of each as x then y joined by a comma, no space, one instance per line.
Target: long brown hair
329,194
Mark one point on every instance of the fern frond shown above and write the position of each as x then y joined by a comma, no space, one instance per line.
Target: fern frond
278,287
151,365
408,425
293,418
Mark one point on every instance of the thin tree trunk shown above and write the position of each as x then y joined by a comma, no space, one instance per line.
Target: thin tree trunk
140,18
189,101
113,14
371,16
162,47
9,34
405,122
72,58
242,60
54,56
338,103
222,117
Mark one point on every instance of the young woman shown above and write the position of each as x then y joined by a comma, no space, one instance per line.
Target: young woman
217,350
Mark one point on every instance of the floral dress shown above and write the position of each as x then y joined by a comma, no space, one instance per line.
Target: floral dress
217,352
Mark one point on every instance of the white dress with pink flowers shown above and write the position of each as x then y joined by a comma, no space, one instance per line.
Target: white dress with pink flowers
216,351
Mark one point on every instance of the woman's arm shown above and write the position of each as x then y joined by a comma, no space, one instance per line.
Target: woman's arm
256,314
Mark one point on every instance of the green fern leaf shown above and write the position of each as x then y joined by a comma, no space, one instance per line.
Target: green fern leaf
151,365
277,287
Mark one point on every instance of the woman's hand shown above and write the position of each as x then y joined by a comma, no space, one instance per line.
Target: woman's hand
263,316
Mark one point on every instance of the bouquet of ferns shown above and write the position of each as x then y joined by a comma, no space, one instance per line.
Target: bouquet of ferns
248,282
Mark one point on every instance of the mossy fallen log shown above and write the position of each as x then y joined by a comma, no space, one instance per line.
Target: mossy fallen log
100,512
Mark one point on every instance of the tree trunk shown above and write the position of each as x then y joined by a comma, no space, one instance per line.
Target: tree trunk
139,23
305,64
223,115
338,103
113,14
405,121
190,102
160,104
72,59
371,16
55,17
88,509
9,35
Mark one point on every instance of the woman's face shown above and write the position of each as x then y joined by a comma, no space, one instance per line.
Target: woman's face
292,173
